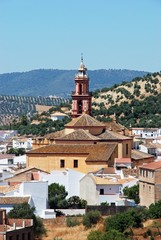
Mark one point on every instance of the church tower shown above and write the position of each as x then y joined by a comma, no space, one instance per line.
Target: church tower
81,97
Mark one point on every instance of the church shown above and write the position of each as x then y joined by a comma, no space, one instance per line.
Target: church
84,144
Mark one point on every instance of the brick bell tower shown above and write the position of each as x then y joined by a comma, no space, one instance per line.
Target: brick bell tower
81,97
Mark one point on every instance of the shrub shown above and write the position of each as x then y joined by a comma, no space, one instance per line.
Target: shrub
95,235
91,218
114,235
122,221
155,210
72,222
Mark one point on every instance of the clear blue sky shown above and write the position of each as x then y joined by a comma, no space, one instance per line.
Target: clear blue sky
52,34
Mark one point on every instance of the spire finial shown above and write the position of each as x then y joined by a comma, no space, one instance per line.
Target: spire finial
82,57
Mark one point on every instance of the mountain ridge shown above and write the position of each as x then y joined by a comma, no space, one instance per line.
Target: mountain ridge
46,82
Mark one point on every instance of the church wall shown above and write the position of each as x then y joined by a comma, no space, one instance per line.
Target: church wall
124,149
52,162
95,166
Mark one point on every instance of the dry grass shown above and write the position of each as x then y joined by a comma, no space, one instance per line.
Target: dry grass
57,228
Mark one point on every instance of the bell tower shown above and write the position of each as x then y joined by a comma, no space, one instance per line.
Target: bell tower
81,97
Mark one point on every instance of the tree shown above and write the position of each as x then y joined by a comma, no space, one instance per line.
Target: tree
16,151
56,194
131,218
132,193
114,235
155,210
26,212
76,202
111,235
91,218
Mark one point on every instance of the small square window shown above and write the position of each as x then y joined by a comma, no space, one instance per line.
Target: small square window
101,191
75,163
10,161
62,163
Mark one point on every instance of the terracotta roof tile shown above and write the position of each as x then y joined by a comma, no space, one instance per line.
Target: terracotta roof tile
8,188
58,114
152,165
151,145
3,156
123,160
55,134
94,152
114,181
101,152
79,134
115,127
113,136
137,155
84,120
28,169
13,200
108,170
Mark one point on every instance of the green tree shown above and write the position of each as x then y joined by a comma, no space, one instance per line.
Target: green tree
24,120
114,235
91,218
76,202
132,193
26,212
16,151
111,235
56,194
155,210
131,218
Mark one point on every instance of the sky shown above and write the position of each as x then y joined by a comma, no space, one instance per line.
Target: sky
52,34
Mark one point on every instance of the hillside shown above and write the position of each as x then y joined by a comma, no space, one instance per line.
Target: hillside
135,103
49,82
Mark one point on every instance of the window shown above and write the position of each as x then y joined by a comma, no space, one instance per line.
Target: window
23,236
101,191
75,163
127,149
62,163
80,106
10,161
29,236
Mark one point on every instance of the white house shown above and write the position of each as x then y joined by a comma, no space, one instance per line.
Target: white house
3,147
96,190
9,160
6,134
68,178
146,132
121,163
58,116
25,143
151,148
34,192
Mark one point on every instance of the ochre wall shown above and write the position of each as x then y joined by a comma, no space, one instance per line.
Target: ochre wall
52,162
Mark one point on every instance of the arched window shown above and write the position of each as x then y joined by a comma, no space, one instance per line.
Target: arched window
80,88
80,106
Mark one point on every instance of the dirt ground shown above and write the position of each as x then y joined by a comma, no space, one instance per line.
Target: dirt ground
57,230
